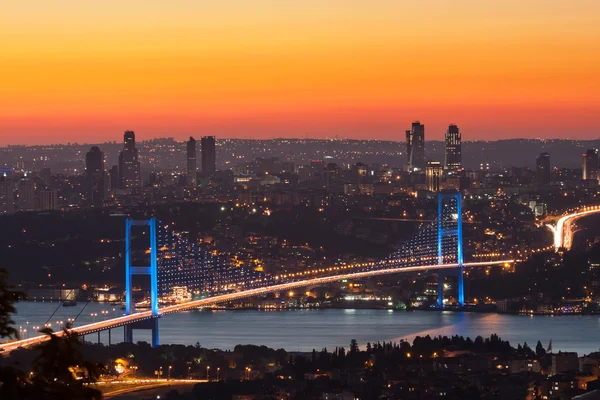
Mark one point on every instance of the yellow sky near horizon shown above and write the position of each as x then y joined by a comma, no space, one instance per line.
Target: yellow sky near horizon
253,68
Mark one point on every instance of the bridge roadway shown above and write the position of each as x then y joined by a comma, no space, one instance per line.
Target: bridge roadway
145,315
563,231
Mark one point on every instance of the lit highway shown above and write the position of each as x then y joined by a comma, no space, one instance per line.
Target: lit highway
563,231
128,319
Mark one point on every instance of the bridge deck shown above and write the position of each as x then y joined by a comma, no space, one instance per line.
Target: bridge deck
129,319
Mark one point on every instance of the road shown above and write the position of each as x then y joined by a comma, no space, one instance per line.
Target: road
145,387
563,231
128,319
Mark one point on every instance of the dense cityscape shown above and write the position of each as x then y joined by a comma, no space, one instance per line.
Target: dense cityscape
300,200
252,218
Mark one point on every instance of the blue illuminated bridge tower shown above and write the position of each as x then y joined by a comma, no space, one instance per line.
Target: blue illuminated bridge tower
178,261
450,243
149,270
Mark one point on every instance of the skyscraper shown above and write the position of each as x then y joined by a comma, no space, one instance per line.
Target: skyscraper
191,162
48,199
590,165
113,178
26,194
129,165
453,159
415,147
542,169
209,156
7,191
95,177
433,173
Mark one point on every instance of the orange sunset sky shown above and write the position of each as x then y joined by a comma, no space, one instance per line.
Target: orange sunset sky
86,71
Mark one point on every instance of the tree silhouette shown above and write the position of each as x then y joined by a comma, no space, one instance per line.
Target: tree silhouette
7,297
60,370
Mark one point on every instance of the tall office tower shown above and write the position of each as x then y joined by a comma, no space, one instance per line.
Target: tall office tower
26,194
46,175
95,177
542,169
415,147
191,162
129,164
209,155
590,165
433,173
113,178
453,149
7,192
48,199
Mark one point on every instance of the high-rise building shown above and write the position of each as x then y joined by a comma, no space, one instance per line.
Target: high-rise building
209,155
590,165
7,191
415,147
48,199
26,194
191,162
95,177
46,175
113,178
542,169
129,164
433,173
453,149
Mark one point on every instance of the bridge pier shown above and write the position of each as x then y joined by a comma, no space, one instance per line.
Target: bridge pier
440,288
109,343
151,324
98,337
460,286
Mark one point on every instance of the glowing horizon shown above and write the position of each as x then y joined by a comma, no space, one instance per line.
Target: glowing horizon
85,72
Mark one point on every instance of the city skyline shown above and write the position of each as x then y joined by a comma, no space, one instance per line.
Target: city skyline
316,69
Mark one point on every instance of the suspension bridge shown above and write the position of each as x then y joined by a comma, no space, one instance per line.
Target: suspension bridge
175,259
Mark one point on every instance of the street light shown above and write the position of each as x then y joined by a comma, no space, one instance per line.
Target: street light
159,372
169,375
189,368
207,370
218,369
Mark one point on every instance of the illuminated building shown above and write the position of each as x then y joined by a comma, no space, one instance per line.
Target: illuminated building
7,192
48,199
209,155
590,165
129,164
433,173
415,147
191,162
26,194
453,149
542,169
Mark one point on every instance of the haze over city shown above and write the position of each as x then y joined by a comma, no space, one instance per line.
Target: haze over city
83,72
